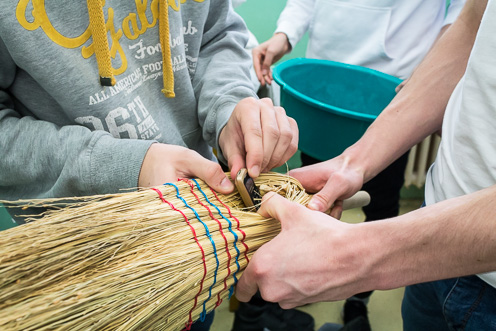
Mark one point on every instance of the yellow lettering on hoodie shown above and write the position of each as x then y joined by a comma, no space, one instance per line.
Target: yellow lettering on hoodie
130,23
129,26
42,21
115,36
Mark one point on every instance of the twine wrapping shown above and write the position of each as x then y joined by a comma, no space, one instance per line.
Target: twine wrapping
154,259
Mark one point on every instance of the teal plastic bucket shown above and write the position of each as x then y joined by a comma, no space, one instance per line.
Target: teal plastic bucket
333,103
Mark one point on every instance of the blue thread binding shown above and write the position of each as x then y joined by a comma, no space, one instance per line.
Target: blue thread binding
204,312
231,289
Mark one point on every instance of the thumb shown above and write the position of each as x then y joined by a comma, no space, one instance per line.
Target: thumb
212,174
324,199
269,206
275,206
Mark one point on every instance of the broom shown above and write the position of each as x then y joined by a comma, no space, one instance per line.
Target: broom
154,259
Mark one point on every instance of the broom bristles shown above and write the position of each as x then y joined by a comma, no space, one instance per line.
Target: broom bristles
152,259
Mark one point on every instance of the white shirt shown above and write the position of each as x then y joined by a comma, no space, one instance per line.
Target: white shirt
391,36
466,160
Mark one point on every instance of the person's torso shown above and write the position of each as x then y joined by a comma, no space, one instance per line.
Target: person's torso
466,160
391,36
58,79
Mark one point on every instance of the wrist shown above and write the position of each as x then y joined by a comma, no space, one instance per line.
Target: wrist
146,171
370,155
360,255
396,250
284,39
377,243
352,158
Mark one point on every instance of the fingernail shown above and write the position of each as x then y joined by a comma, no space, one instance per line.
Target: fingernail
255,171
226,184
315,205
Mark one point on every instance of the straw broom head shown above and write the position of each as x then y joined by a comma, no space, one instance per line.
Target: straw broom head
156,259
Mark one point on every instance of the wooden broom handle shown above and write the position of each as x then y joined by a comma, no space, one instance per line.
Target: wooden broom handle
359,199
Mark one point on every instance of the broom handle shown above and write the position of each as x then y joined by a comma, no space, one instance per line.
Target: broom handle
359,199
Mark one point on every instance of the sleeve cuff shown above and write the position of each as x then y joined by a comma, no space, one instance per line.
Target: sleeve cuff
115,164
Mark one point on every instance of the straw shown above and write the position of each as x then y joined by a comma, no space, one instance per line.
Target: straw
139,260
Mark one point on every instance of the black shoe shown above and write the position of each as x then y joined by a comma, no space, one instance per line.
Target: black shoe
267,316
355,316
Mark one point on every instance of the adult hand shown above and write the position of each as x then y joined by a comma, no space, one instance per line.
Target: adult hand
334,180
258,136
314,258
267,53
166,163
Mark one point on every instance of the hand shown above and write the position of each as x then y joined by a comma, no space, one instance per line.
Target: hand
334,180
314,258
258,136
267,53
166,163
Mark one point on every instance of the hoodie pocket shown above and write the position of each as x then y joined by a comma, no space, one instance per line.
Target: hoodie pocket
350,32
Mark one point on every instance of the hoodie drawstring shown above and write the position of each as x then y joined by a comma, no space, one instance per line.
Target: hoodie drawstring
163,25
102,49
100,42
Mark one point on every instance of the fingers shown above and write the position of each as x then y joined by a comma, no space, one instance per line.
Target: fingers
166,163
271,122
279,138
211,173
280,135
247,285
266,54
251,128
258,136
334,180
267,62
273,206
258,57
287,144
236,162
312,177
324,199
337,209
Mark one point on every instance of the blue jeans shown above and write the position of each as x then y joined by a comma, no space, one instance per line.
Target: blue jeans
466,303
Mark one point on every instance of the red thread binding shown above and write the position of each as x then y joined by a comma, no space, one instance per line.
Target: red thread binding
238,228
219,300
190,322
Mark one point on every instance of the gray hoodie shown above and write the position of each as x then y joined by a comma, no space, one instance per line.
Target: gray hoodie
65,130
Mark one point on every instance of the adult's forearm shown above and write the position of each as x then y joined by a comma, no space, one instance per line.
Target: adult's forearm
418,109
452,238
